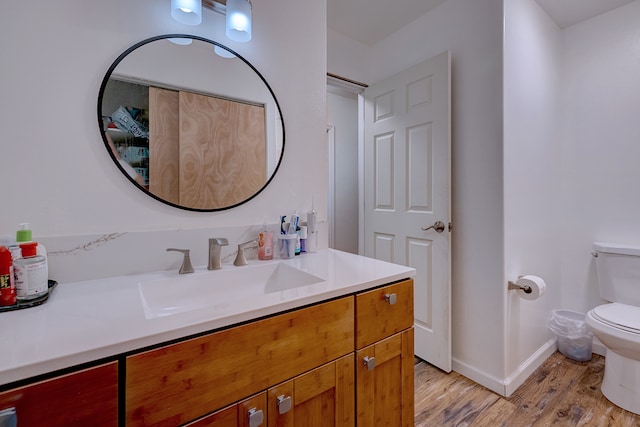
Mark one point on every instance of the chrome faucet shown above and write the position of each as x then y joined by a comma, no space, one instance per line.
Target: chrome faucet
240,259
215,245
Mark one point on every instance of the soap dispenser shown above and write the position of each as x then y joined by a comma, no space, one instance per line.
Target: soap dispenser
24,235
265,244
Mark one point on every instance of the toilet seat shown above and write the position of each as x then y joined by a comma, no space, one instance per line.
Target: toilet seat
619,316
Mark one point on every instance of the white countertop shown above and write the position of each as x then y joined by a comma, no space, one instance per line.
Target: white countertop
90,320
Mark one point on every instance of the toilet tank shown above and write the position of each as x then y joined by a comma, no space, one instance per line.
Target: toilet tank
618,270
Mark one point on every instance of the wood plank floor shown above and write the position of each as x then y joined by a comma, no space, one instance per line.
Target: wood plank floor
561,392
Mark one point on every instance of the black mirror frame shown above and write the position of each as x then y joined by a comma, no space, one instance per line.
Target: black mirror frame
105,80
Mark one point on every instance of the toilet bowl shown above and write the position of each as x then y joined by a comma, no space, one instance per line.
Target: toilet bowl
617,323
621,382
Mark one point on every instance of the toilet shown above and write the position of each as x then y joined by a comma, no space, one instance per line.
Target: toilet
617,323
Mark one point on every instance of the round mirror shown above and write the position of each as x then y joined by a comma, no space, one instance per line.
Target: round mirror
190,122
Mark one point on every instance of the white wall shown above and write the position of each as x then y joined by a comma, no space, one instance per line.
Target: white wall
532,176
347,57
58,174
601,145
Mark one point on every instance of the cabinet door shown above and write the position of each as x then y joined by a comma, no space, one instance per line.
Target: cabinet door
323,397
84,398
251,412
384,382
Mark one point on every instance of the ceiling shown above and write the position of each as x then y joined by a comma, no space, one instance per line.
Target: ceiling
568,12
370,21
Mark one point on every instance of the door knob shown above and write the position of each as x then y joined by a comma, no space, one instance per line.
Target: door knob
438,226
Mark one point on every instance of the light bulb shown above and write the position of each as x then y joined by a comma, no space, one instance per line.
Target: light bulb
239,20
188,12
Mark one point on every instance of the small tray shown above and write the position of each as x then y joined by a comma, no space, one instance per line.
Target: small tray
32,302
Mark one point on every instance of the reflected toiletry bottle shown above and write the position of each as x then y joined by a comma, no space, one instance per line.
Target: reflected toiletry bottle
7,285
265,245
31,273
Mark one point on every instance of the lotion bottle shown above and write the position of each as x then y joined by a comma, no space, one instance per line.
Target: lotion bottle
265,245
24,235
31,273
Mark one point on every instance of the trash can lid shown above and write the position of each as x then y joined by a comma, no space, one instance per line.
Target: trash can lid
622,316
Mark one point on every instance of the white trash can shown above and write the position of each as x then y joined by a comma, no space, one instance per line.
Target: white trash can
574,339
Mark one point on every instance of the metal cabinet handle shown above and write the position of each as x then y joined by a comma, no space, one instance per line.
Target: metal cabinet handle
284,404
369,362
8,417
256,417
391,298
438,226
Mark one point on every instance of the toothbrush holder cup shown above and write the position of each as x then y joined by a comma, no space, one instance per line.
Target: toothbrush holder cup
287,245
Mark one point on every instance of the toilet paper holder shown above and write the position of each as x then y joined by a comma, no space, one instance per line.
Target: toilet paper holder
514,286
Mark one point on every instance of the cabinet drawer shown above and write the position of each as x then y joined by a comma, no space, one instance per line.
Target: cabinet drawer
183,381
83,398
378,317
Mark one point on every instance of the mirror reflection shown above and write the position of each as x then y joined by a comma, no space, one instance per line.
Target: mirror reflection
192,128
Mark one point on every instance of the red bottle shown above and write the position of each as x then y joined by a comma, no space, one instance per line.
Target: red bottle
7,286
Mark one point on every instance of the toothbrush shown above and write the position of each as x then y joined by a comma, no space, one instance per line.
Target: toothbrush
293,223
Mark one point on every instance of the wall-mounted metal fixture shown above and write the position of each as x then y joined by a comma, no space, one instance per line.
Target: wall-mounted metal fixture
526,289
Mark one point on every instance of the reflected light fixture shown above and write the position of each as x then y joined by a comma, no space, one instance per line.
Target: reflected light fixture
181,41
224,53
188,12
238,15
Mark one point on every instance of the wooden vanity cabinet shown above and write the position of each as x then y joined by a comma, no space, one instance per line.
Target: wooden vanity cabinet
384,356
85,398
178,383
342,363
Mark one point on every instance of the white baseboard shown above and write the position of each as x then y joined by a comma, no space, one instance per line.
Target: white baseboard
505,387
526,368
492,383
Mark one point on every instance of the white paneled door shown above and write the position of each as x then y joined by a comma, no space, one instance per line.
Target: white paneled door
407,194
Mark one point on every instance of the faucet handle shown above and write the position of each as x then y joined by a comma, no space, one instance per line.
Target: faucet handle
186,266
240,258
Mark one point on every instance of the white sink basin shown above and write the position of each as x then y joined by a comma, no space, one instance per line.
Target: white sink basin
218,290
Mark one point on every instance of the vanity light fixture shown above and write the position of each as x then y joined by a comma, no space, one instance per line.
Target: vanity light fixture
188,12
239,20
238,15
